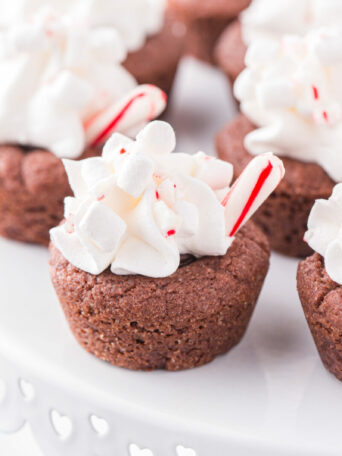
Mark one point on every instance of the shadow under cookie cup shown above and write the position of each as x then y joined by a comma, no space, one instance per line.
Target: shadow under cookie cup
284,215
33,185
157,61
177,322
321,299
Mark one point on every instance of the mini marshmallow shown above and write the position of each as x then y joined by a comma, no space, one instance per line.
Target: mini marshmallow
158,138
136,174
114,145
103,227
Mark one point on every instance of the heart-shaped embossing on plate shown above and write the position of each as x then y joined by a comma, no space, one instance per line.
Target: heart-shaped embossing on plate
27,389
61,424
182,451
100,425
136,451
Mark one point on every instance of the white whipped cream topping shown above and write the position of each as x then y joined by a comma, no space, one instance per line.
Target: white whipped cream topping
275,18
324,233
140,206
60,66
291,89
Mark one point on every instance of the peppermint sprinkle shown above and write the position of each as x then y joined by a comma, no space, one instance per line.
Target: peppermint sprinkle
122,151
325,116
157,195
170,233
100,198
315,92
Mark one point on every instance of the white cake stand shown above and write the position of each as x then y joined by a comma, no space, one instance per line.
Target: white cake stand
270,396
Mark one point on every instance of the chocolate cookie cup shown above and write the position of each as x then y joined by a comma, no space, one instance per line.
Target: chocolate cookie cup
33,185
177,322
283,216
321,299
230,51
154,266
206,21
151,64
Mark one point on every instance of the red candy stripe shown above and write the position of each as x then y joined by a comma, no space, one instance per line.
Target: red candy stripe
265,173
110,127
315,92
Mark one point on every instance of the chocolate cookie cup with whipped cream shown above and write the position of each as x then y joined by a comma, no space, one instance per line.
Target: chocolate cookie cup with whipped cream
206,20
271,19
319,280
63,68
149,266
291,103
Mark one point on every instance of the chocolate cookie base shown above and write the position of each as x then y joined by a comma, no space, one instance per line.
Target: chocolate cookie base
157,61
230,51
321,299
173,323
206,20
202,36
33,185
284,215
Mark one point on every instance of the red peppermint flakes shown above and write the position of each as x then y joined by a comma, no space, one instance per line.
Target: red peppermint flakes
315,92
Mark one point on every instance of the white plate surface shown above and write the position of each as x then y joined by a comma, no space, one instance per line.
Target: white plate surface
269,392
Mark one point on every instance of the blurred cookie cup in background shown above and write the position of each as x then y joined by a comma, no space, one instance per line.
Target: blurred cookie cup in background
206,19
271,19
291,103
64,91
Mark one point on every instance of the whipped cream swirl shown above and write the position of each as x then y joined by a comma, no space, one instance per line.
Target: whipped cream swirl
60,68
140,206
324,233
291,89
275,18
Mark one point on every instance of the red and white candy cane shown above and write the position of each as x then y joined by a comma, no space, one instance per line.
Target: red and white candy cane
258,180
144,103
